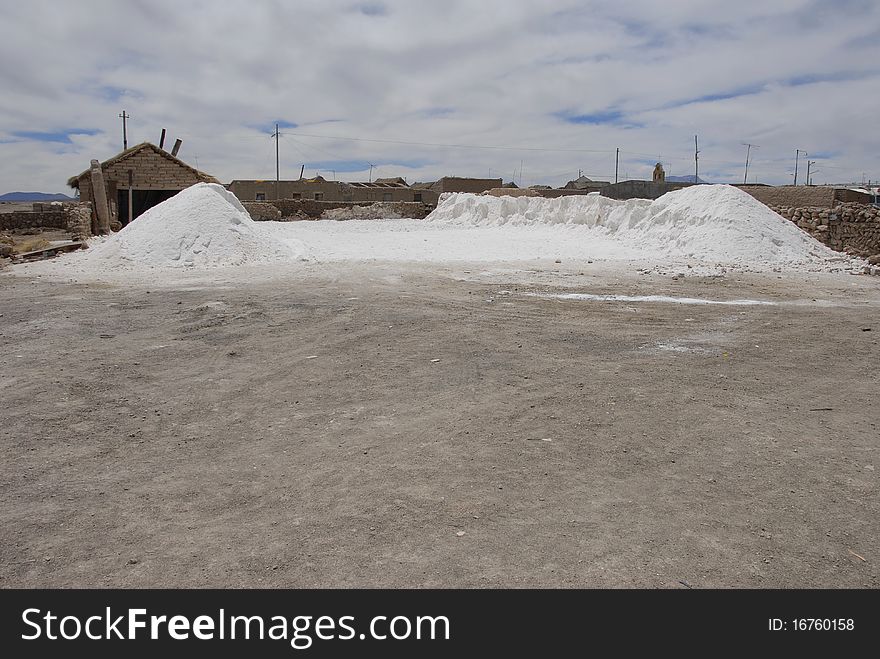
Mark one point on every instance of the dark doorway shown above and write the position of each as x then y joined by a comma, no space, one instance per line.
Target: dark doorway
142,200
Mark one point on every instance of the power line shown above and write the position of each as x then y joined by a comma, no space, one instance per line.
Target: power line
453,146
332,155
277,135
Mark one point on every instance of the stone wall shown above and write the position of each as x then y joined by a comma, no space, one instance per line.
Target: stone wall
18,220
314,209
79,220
511,192
261,211
852,228
74,217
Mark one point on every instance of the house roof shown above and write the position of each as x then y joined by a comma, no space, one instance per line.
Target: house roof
582,183
386,183
73,181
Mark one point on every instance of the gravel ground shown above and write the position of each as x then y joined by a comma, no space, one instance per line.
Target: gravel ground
403,426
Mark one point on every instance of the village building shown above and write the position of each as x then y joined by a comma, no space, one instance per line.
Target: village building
320,189
460,184
585,183
151,173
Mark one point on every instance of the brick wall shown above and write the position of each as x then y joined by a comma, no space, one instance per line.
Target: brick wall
640,189
150,171
848,196
472,185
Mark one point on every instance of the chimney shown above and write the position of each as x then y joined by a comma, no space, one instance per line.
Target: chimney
176,148
162,140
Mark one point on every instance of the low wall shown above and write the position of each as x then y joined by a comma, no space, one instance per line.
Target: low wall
640,189
18,220
553,193
314,209
511,192
74,217
791,196
261,211
852,228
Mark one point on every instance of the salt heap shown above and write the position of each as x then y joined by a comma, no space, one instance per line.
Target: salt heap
709,223
202,226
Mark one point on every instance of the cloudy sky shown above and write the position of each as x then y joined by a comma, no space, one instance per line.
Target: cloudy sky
530,91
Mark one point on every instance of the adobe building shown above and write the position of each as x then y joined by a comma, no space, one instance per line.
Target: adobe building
320,189
459,184
152,173
585,183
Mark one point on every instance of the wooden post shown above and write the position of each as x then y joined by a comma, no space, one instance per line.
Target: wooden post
99,198
130,194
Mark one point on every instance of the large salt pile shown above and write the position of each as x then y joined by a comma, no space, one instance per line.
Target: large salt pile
202,226
709,223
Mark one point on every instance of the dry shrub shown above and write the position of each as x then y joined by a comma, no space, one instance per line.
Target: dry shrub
30,244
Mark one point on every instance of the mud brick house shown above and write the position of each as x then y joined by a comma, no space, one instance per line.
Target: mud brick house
152,173
460,184
320,189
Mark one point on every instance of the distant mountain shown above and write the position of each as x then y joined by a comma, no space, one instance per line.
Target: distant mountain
34,196
685,179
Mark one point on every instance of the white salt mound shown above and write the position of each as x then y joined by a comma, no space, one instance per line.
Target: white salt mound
202,226
709,223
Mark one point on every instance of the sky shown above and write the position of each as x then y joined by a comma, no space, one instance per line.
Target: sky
534,92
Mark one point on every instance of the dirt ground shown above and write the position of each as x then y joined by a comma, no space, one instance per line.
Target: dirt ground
410,427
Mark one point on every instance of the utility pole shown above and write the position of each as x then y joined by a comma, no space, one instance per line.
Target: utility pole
125,117
276,135
616,163
371,171
696,161
810,163
797,153
748,151
130,194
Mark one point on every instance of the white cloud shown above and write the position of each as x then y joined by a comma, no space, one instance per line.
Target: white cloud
786,75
